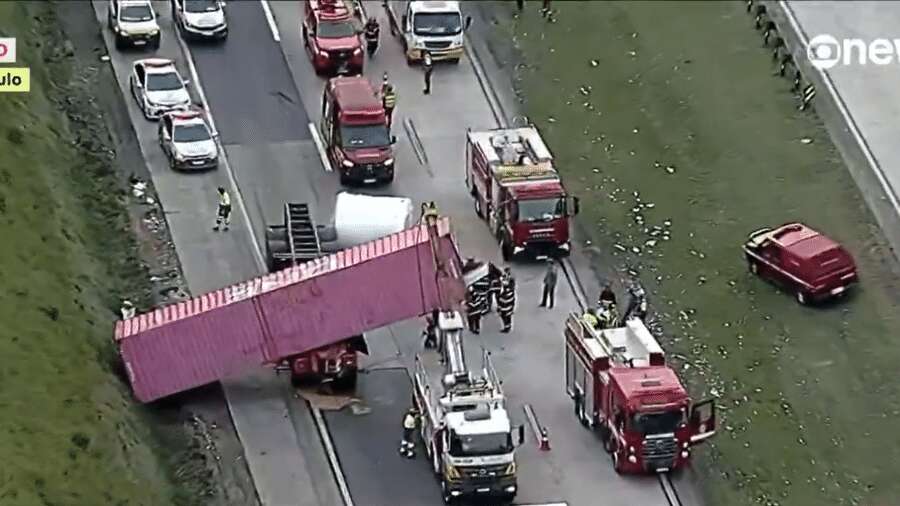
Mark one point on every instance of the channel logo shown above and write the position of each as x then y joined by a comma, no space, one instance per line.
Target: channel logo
15,80
7,50
826,51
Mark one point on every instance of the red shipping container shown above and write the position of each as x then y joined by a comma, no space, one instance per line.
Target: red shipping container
222,333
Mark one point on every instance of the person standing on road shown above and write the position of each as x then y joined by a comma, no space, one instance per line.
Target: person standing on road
548,297
506,299
388,99
223,216
482,289
475,308
428,65
408,444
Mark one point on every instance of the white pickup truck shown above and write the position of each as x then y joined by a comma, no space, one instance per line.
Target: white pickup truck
434,26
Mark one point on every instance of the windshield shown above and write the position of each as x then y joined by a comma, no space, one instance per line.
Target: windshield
164,82
201,5
191,133
136,13
336,30
437,23
475,445
541,209
365,136
664,422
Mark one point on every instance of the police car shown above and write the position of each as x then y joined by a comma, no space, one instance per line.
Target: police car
187,141
200,18
134,23
158,87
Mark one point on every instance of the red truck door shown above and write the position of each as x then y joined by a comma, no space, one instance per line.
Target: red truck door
703,421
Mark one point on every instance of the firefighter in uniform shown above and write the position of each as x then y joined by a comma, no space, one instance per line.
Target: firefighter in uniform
410,423
482,288
506,299
637,303
372,31
388,99
609,317
475,308
495,277
429,210
223,216
607,297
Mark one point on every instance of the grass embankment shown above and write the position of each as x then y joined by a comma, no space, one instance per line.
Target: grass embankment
69,432
666,119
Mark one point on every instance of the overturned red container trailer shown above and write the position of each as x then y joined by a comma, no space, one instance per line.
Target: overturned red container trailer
261,321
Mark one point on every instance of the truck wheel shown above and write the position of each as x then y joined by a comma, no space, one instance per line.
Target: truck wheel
506,250
345,180
617,462
347,382
801,297
120,43
478,208
445,493
454,61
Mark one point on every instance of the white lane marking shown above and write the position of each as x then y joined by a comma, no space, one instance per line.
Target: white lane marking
320,147
332,456
271,20
317,415
260,259
842,109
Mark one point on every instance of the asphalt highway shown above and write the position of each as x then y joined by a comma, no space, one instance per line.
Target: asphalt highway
262,95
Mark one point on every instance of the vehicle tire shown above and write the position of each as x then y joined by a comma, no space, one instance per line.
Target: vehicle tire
109,20
120,43
506,250
604,434
345,180
347,382
802,298
445,493
305,36
617,462
155,44
479,210
454,61
435,459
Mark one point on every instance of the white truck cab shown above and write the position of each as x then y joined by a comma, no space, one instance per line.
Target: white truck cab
435,26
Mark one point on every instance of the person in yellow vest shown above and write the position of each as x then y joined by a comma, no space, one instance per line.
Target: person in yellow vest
388,99
429,211
410,423
223,216
590,317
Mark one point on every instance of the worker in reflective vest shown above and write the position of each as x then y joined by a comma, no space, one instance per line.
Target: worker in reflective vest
590,317
223,216
388,100
410,422
506,299
609,317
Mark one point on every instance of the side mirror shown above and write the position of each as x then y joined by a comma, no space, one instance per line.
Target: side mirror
403,21
186,82
521,436
215,136
574,206
703,421
393,139
468,22
222,4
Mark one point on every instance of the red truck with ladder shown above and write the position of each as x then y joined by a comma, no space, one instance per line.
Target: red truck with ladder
622,387
269,319
518,192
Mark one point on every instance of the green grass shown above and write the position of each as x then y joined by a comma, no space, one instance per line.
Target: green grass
69,432
811,396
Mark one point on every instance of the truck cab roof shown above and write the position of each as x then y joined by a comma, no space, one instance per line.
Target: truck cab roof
645,387
356,99
497,421
434,6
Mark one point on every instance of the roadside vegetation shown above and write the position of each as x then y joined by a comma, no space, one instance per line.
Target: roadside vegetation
667,121
70,433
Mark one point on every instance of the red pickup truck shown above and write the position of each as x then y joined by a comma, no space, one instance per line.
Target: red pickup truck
810,265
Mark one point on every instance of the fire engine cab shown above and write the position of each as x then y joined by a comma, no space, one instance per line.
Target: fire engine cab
622,387
331,38
518,192
354,130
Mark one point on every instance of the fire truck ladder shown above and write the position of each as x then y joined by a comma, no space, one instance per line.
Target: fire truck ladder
302,235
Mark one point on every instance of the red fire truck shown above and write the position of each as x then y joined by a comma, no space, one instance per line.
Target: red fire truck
622,387
510,174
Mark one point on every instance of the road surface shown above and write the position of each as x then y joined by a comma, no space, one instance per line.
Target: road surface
262,94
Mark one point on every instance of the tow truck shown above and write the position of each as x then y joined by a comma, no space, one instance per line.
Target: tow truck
358,219
467,432
518,192
435,27
622,387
